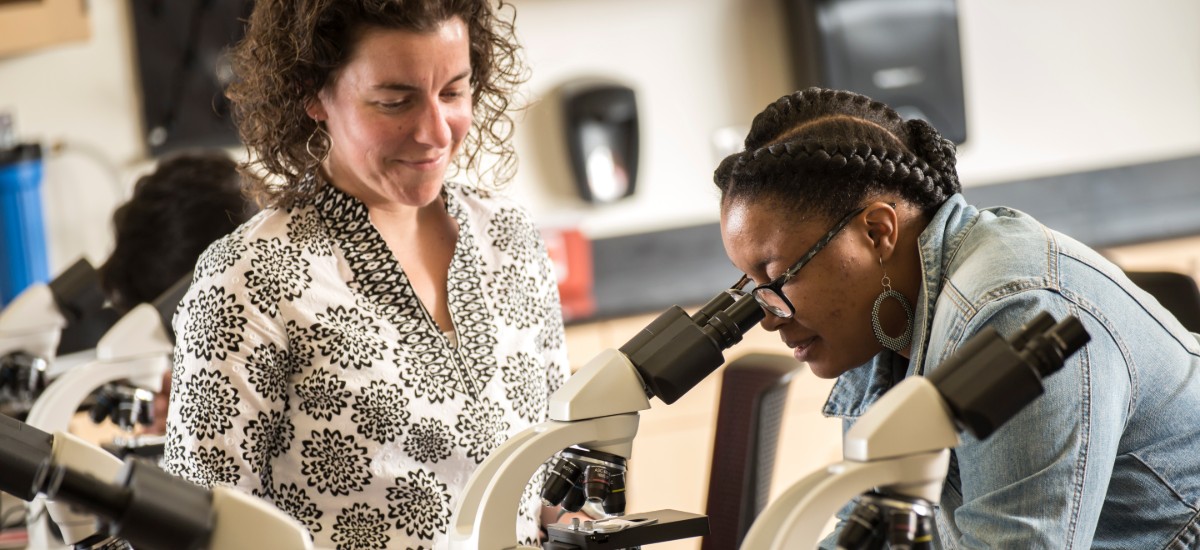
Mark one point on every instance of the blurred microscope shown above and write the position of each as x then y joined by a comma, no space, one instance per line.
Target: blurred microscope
117,379
46,330
138,504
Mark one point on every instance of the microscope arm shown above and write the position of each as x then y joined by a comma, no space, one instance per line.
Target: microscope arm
900,444
597,408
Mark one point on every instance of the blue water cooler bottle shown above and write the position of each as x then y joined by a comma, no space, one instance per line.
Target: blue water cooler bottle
22,230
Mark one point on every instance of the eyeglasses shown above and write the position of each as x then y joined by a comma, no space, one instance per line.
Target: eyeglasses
770,295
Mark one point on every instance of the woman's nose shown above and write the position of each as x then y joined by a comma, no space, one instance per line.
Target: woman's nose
431,128
772,322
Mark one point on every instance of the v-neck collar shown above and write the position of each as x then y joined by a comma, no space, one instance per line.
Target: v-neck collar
378,277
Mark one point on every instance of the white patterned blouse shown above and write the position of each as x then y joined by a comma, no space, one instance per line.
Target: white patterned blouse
308,373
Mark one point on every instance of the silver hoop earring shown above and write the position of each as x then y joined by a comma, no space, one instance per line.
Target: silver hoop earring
889,342
308,145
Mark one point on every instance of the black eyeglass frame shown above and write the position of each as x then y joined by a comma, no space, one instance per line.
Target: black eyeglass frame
775,286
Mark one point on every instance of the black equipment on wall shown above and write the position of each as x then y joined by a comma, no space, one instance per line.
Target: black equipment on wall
904,53
183,68
601,124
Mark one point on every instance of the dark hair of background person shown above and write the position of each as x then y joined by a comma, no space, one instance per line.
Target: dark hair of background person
293,48
190,200
828,151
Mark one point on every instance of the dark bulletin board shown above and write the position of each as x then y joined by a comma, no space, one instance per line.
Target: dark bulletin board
183,68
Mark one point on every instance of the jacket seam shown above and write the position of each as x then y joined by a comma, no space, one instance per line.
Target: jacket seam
1130,366
1085,440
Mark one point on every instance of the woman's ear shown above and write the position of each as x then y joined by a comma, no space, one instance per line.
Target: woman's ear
883,228
315,108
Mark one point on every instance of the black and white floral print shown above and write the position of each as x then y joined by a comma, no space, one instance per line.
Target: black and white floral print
430,373
520,309
380,412
294,500
513,233
482,428
335,463
361,527
306,231
526,386
221,255
348,337
269,367
215,327
310,374
277,272
420,504
209,406
267,437
429,440
300,351
214,467
322,394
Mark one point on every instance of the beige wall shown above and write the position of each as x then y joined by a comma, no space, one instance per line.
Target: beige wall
1051,87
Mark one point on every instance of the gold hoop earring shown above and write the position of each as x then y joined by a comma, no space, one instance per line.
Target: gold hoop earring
308,145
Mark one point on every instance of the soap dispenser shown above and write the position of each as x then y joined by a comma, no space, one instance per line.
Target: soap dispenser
601,124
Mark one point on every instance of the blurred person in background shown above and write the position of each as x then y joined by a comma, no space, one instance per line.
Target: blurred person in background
190,200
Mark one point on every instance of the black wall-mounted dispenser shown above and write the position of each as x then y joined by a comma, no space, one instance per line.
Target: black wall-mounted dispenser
601,124
903,53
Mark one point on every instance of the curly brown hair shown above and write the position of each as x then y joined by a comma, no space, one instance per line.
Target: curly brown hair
291,49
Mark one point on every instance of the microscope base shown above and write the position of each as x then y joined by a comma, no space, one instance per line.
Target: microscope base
669,525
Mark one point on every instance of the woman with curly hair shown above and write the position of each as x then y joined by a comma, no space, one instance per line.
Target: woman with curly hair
357,349
873,268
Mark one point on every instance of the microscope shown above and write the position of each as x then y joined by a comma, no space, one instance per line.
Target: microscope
32,329
130,361
593,420
32,332
897,454
140,504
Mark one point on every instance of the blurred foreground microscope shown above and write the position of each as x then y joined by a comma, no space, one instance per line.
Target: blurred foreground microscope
137,503
119,381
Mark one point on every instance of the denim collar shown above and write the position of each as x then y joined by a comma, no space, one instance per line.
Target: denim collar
858,389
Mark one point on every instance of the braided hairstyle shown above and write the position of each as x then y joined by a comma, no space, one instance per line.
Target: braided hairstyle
828,151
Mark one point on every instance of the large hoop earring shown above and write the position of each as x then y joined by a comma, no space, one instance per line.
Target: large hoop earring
889,342
324,136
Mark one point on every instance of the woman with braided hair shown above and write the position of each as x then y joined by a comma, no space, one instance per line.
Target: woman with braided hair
873,268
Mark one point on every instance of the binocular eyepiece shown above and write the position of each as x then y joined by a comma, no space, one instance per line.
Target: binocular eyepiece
578,476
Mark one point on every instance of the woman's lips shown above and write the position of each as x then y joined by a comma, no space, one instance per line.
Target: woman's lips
423,164
801,348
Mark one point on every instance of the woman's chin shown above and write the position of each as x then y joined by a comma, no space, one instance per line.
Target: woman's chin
824,370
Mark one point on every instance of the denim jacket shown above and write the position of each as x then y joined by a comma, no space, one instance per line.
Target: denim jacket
1109,456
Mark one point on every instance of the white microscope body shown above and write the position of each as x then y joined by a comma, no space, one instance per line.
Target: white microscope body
900,447
597,409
